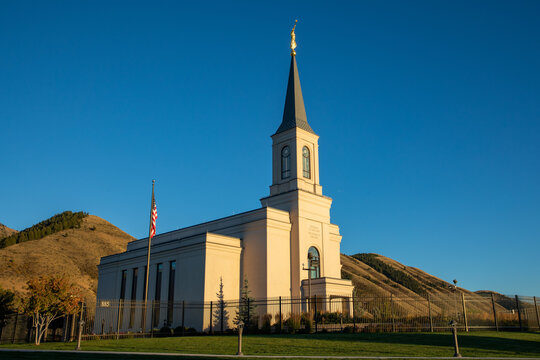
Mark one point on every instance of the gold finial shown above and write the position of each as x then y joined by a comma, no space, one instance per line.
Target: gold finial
293,39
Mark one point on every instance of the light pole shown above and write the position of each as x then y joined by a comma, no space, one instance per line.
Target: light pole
453,324
312,262
240,329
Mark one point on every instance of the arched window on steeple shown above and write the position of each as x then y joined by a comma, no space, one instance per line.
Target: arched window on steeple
314,262
305,162
285,162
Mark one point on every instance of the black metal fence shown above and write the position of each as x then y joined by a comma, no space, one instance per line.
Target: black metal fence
119,318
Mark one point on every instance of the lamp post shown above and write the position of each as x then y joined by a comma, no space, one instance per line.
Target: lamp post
240,329
312,262
453,324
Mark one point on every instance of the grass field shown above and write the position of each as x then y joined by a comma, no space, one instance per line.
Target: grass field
484,344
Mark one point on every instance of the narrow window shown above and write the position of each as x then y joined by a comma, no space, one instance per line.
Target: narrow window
172,272
305,162
285,162
134,279
157,298
314,263
122,297
123,285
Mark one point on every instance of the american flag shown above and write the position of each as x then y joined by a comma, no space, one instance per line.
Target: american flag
153,217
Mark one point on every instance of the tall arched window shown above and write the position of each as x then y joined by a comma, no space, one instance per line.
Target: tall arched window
285,162
314,262
305,162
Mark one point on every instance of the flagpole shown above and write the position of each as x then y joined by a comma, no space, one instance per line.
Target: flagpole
148,258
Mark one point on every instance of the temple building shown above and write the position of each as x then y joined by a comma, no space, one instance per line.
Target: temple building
269,246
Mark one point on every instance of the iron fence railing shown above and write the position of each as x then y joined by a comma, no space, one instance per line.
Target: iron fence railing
121,318
116,318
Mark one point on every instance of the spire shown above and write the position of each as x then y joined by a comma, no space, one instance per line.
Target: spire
294,114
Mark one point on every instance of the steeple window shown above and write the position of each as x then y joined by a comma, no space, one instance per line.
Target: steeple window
306,162
314,263
285,162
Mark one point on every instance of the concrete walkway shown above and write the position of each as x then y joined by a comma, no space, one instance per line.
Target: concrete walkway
247,356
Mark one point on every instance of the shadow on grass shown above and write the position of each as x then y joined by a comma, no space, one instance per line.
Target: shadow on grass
466,341
71,356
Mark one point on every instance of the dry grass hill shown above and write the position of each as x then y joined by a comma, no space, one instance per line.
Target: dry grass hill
5,231
73,252
370,282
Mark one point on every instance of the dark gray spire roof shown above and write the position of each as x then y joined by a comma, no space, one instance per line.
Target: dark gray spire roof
294,114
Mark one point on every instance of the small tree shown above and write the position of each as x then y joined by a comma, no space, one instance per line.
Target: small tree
47,299
246,306
221,313
6,304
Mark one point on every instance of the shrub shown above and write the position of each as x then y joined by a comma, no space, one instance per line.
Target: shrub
307,321
266,323
166,331
293,323
348,329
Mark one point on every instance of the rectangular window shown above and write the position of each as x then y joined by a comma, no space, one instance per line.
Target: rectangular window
134,279
157,297
172,272
122,297
123,285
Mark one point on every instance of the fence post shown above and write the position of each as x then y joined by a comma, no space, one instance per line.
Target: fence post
536,309
280,316
211,317
183,315
118,319
494,313
80,327
519,314
464,312
429,313
246,327
152,311
222,305
353,317
15,328
315,314
392,312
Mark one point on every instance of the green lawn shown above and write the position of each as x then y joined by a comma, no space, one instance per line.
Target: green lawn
483,344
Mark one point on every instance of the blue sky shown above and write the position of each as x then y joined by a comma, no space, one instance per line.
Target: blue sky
428,112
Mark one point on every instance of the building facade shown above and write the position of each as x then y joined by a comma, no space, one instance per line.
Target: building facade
271,246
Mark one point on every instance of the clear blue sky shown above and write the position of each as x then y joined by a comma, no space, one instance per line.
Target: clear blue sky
428,112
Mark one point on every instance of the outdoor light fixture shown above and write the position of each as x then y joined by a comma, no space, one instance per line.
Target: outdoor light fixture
454,324
240,329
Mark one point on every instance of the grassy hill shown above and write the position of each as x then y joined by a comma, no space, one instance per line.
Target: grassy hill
73,252
5,231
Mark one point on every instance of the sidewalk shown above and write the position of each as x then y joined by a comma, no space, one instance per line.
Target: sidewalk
249,356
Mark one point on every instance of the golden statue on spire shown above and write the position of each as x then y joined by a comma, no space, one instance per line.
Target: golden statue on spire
293,39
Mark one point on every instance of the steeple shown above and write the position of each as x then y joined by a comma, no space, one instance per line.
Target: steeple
295,149
294,114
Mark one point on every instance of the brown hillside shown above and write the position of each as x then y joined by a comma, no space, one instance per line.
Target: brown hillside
5,231
74,252
369,282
